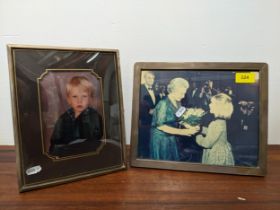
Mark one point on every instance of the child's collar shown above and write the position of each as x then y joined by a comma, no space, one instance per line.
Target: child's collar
71,112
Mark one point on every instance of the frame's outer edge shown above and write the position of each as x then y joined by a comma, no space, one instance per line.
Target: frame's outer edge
20,171
259,170
14,113
264,117
135,113
122,112
68,180
25,46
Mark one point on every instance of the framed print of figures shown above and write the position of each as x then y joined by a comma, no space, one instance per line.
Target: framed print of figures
67,110
208,117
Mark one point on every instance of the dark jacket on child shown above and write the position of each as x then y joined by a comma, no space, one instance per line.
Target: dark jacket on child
76,135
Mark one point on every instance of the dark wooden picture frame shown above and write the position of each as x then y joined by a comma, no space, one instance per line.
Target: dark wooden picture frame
67,113
169,130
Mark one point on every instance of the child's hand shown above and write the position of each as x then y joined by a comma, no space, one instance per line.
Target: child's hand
186,125
194,129
191,129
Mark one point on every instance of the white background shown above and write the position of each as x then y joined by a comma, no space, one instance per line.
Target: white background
147,30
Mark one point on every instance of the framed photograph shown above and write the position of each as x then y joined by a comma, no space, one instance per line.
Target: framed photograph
67,112
207,117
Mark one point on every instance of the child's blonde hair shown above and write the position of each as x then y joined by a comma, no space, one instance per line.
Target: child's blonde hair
223,105
79,81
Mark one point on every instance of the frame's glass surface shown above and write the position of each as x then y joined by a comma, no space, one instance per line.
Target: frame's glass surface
199,116
39,76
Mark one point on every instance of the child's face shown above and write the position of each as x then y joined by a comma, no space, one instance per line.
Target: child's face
78,99
213,106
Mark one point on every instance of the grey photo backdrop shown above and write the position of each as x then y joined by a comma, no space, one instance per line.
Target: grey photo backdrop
53,100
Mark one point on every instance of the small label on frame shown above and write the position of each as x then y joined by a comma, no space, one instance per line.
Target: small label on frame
245,77
33,170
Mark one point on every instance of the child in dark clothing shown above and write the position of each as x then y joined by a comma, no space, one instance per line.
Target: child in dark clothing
80,128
